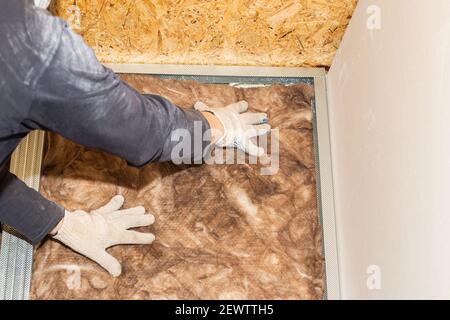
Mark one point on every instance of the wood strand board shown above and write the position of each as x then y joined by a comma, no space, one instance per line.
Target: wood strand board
226,32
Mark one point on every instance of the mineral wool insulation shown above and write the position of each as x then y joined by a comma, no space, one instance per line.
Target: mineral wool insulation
222,231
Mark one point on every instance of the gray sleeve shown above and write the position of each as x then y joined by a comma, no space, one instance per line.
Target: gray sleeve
25,210
25,52
85,102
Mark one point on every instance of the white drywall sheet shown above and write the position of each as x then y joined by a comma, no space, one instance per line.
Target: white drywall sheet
389,100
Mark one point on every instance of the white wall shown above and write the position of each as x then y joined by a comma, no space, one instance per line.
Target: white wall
389,96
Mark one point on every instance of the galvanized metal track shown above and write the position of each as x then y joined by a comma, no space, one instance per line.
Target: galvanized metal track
16,255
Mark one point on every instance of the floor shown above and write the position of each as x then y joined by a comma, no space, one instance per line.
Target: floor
222,231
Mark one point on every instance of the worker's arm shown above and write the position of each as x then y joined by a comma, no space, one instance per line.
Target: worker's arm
87,103
74,95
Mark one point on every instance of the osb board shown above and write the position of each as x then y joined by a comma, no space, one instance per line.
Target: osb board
222,231
235,32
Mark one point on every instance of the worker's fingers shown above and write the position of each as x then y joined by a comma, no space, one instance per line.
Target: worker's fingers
254,118
108,262
134,221
239,107
113,205
259,130
200,106
134,237
253,149
136,211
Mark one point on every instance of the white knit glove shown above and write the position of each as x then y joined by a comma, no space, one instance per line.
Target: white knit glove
42,3
92,233
239,126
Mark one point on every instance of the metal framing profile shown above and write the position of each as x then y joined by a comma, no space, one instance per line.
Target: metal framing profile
16,256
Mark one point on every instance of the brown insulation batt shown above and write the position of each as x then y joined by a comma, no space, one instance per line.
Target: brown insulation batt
222,231
235,32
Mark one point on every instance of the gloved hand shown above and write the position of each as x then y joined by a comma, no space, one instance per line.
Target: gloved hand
42,3
91,233
239,126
